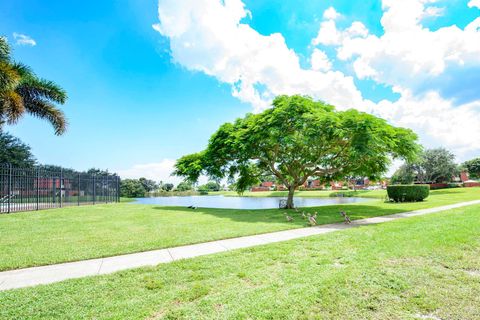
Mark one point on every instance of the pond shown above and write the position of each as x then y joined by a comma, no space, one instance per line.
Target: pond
242,202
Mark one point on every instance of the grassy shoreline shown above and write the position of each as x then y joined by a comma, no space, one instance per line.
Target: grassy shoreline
78,233
375,194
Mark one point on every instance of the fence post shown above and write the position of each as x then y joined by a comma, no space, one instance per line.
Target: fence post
61,183
106,189
118,189
38,186
9,194
78,194
94,195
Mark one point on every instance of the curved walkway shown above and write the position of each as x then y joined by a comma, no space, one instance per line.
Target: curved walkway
58,272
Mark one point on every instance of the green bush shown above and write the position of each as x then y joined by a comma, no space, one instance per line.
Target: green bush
455,185
344,194
408,193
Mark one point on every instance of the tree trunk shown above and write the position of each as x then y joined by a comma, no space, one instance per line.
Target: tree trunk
291,191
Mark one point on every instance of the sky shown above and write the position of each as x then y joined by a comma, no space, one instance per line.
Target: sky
150,81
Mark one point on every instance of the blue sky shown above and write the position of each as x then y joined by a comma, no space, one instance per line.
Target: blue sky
141,96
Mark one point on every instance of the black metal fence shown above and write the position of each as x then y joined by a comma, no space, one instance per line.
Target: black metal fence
24,189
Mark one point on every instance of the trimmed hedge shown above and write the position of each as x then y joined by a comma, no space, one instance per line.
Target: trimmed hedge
408,193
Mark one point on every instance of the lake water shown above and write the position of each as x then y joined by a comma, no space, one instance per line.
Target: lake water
242,202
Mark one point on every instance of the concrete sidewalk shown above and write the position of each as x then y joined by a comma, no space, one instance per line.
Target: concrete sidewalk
53,273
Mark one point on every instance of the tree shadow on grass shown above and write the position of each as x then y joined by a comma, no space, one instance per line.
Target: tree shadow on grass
325,214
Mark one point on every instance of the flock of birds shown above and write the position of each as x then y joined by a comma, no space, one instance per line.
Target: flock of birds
312,219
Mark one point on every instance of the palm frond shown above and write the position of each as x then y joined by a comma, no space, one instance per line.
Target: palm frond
9,77
46,110
32,87
22,69
4,49
11,107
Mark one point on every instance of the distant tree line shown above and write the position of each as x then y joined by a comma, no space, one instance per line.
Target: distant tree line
137,188
434,166
18,154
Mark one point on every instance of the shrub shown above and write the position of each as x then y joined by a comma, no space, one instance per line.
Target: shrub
343,194
455,185
408,193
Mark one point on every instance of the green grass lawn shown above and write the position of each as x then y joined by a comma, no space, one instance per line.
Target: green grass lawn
425,267
77,233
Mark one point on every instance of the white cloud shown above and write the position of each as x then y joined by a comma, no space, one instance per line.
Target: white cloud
157,171
319,60
474,4
329,35
407,54
209,36
331,14
435,72
440,122
23,40
433,12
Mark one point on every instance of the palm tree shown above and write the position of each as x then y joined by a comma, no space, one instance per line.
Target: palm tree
21,91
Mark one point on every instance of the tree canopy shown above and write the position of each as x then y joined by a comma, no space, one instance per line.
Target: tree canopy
473,168
210,186
404,175
184,186
432,166
14,152
21,91
132,188
148,185
296,139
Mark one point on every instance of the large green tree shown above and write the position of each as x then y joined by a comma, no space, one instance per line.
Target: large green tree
296,139
210,186
184,186
436,166
432,166
148,185
15,152
21,92
473,168
132,188
404,175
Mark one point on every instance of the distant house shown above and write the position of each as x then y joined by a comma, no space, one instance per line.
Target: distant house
336,185
264,186
467,183
268,184
313,184
46,185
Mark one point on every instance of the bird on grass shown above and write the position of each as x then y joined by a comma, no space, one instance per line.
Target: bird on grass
312,220
347,218
289,218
